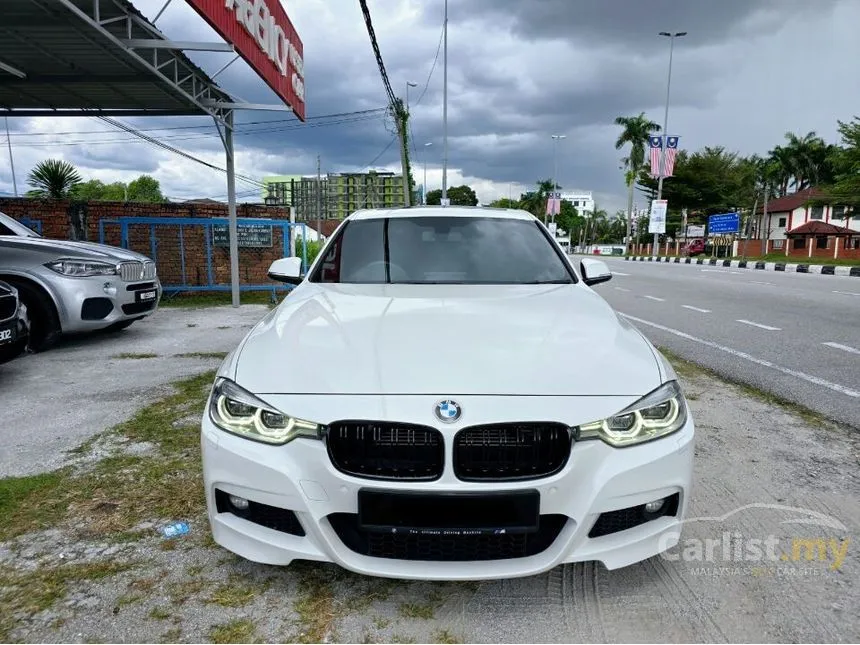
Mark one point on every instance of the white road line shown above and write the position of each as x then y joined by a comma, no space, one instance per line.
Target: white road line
847,293
758,361
655,298
704,311
844,348
759,325
621,289
769,284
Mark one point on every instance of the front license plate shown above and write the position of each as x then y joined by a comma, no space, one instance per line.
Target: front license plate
449,513
146,296
7,335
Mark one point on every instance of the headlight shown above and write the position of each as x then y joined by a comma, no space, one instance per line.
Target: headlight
236,410
657,414
82,268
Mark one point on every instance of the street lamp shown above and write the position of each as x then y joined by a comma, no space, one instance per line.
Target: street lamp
671,37
408,85
555,139
426,145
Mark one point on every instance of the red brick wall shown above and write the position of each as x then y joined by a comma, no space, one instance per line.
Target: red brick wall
253,263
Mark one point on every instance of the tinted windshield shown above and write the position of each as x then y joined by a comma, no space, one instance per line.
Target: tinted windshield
443,250
10,227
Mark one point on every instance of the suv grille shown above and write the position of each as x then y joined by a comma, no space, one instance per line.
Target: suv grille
137,271
380,450
511,451
8,306
446,548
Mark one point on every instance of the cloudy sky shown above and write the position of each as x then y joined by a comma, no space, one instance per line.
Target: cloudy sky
518,71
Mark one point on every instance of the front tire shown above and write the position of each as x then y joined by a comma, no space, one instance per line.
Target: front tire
45,328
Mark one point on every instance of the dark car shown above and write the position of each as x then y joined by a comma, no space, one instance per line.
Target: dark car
14,323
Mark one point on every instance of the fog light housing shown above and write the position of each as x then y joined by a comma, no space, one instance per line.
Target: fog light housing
650,507
239,503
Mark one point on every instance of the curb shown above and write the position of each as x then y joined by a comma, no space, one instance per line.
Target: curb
786,267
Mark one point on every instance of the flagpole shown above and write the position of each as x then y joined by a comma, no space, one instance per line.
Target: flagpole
665,137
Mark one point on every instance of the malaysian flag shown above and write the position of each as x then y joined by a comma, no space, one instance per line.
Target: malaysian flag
671,151
656,144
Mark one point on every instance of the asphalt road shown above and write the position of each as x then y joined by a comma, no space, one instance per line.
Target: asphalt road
794,335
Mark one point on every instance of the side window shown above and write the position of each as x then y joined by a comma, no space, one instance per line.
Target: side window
5,230
356,255
781,222
817,212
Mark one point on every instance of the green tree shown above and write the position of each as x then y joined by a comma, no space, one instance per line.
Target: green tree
635,131
845,188
459,196
504,202
145,189
96,190
54,178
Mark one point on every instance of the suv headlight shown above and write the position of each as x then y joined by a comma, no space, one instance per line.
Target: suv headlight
236,410
82,268
655,415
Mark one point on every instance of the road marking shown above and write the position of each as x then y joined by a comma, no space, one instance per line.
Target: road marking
758,361
769,284
621,289
704,311
759,325
847,293
844,348
655,298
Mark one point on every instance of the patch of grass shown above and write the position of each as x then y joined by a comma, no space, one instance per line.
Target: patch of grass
424,611
400,638
134,355
314,603
781,257
16,510
147,584
221,355
128,599
234,631
235,593
690,370
381,622
194,570
444,636
172,635
217,299
160,613
179,592
28,593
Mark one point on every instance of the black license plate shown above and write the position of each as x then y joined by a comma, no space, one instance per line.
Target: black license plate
150,295
8,333
449,513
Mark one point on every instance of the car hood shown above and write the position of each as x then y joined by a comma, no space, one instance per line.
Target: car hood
55,249
448,340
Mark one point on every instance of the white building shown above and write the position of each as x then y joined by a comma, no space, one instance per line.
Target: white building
582,201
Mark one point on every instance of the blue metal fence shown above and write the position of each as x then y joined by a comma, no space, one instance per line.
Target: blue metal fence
178,283
35,224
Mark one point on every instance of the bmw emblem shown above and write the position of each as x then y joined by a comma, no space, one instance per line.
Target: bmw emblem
448,411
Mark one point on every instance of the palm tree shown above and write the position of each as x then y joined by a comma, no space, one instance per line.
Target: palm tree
54,178
635,131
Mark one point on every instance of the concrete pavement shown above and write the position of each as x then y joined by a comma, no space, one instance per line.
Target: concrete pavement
794,335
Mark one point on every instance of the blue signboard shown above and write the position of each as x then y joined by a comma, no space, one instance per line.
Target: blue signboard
724,223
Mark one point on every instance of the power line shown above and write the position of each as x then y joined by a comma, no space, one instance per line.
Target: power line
433,67
370,32
310,122
384,150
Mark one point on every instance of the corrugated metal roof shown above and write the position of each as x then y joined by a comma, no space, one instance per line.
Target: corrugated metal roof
71,64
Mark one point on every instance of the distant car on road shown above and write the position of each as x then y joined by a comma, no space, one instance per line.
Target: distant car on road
14,323
71,287
467,407
694,247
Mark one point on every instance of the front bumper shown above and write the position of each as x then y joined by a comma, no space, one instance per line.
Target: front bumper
300,477
88,304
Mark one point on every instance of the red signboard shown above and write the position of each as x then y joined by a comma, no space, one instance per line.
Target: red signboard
263,35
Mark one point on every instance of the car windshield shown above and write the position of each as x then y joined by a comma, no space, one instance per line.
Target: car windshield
443,250
11,227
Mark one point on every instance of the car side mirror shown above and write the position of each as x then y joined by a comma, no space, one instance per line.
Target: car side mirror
594,271
287,270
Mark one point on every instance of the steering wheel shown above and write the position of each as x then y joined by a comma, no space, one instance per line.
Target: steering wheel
369,270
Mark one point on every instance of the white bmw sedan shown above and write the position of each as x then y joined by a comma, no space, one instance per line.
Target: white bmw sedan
444,397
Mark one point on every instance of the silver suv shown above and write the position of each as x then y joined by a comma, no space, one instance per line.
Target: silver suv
73,287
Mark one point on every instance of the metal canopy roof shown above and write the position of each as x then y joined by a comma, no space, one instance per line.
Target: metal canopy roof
97,57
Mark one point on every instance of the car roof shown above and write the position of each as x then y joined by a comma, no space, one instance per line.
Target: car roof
442,211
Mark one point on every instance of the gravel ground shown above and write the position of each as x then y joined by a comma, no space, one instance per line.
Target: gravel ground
53,401
761,471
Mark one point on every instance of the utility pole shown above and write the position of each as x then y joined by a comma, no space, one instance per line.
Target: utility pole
402,115
671,37
445,108
555,140
765,228
319,201
11,158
